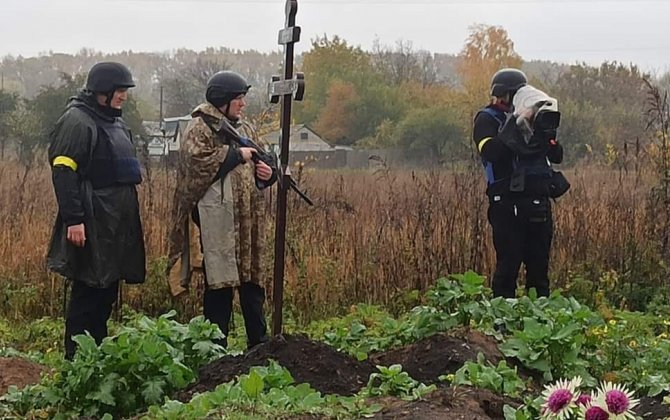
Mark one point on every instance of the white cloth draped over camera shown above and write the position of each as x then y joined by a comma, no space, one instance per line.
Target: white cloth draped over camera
533,99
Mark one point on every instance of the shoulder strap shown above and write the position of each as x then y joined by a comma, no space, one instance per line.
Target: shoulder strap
496,114
208,119
211,122
89,119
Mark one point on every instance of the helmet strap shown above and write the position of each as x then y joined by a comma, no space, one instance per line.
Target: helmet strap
227,108
107,109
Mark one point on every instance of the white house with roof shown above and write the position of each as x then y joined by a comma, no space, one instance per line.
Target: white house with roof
164,140
303,139
164,137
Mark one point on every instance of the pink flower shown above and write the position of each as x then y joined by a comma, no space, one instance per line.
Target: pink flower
559,399
584,400
595,413
617,402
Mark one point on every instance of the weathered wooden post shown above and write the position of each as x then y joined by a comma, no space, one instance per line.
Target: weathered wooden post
286,90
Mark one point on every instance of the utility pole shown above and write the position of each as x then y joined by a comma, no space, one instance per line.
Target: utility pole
166,148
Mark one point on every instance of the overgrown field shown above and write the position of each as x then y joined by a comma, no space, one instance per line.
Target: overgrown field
374,236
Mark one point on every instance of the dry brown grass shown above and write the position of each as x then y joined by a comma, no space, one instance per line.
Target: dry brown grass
372,236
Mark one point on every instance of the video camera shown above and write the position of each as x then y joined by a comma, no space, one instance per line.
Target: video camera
545,108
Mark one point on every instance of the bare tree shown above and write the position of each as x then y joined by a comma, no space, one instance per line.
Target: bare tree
403,64
184,87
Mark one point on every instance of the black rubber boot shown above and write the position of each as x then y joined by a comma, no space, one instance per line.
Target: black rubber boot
252,298
218,308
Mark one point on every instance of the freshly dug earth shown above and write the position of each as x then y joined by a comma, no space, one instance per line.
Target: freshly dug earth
318,364
19,372
440,354
450,403
652,409
481,404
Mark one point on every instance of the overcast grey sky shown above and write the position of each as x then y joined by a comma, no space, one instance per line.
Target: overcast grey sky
635,31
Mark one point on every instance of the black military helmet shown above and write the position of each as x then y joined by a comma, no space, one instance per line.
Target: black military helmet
106,77
507,80
225,86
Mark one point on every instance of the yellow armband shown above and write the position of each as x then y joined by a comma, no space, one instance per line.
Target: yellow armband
65,161
482,142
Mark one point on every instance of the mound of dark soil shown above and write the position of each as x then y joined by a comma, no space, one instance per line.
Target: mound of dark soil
652,408
440,354
18,372
318,364
450,403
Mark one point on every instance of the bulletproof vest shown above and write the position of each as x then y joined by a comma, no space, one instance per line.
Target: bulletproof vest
529,174
114,160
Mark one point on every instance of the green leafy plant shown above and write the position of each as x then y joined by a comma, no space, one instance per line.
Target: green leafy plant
454,301
127,372
393,381
482,374
632,348
459,295
369,329
267,392
552,348
546,334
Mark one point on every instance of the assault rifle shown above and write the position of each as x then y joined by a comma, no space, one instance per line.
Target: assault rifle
224,127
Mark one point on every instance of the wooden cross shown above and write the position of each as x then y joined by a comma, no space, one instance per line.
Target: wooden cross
286,89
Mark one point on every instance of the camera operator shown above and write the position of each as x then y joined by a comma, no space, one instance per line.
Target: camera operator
516,139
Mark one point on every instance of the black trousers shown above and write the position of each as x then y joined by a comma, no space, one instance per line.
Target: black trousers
89,310
218,305
218,309
522,233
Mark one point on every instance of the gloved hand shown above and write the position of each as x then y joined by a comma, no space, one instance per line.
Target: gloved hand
541,140
525,120
526,116
521,143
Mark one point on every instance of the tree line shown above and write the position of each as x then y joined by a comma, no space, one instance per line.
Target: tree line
393,96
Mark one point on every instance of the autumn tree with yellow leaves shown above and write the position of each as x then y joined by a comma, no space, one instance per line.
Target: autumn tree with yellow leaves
486,50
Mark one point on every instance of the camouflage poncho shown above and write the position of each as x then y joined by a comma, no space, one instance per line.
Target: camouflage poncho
202,153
